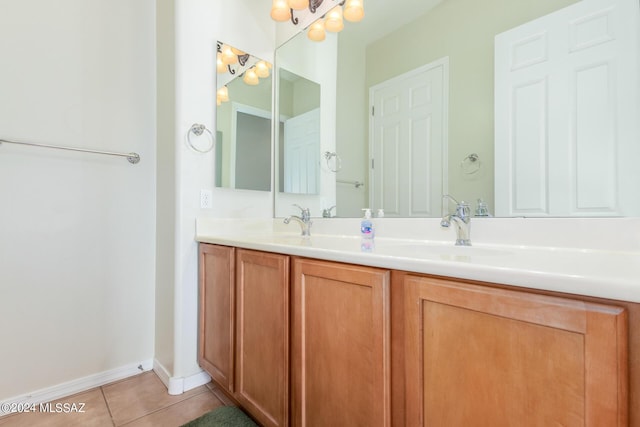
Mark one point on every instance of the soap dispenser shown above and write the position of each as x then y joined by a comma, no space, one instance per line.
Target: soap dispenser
367,230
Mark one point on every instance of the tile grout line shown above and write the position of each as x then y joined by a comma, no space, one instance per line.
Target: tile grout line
106,402
165,407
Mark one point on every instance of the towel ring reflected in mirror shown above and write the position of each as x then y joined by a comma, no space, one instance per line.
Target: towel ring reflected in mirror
470,164
338,162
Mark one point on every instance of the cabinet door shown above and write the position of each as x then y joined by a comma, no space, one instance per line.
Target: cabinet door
483,356
262,336
216,317
340,345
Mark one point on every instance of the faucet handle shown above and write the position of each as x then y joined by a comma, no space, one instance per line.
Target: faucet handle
326,213
463,210
305,213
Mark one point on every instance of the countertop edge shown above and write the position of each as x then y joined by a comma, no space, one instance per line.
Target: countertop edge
621,289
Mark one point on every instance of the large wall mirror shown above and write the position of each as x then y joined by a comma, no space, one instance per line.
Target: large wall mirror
243,120
500,116
306,75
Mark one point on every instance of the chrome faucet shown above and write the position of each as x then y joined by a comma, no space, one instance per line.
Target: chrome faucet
304,220
462,220
326,213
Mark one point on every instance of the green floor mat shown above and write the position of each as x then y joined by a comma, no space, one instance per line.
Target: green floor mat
224,416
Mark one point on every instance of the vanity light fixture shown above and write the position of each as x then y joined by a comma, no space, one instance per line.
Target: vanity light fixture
283,10
317,30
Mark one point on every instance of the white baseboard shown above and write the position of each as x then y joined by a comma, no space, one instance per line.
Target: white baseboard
77,386
176,385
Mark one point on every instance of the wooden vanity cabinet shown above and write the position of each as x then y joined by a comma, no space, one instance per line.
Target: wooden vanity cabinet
262,336
216,317
340,345
477,355
244,328
305,342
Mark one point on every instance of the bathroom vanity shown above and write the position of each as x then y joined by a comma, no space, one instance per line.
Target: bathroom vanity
327,331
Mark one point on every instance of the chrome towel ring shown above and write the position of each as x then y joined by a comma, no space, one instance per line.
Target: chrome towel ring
198,130
338,163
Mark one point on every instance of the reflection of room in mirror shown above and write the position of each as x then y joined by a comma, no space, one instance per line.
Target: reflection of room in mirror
395,37
299,147
243,120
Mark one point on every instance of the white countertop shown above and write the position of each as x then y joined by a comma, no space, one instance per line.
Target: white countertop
593,257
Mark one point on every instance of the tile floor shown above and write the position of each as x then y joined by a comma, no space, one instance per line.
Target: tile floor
137,401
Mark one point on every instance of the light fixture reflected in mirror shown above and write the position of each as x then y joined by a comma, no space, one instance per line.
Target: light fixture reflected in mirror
334,22
243,120
353,10
238,63
250,77
317,31
262,69
222,95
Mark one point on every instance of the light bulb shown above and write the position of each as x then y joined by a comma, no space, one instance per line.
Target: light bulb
262,70
298,4
228,57
353,10
316,31
220,67
250,77
223,94
280,10
236,51
334,21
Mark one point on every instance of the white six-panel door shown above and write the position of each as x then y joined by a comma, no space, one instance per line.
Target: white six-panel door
408,142
301,153
566,113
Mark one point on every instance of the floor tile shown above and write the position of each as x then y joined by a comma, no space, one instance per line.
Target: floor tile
179,413
141,395
220,394
95,413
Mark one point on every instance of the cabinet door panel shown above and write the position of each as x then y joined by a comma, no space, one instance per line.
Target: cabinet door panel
340,345
217,284
262,336
502,358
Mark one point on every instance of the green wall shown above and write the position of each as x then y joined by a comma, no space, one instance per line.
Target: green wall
464,31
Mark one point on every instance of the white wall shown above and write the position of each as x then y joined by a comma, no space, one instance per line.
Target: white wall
77,230
196,26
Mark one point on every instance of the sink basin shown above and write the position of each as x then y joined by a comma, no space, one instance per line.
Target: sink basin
283,239
444,251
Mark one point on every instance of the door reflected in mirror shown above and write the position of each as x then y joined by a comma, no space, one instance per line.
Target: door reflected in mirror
599,143
299,136
243,120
